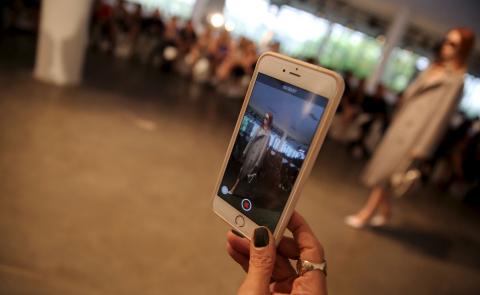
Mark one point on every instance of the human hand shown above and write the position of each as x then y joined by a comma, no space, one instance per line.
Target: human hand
270,271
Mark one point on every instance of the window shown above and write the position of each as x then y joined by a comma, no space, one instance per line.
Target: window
401,68
181,8
470,103
299,32
250,18
346,49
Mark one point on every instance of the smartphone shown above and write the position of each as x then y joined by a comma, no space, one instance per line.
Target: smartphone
285,116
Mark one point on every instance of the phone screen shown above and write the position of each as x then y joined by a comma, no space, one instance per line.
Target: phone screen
275,134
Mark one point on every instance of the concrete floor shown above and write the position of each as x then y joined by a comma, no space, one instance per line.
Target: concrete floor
106,189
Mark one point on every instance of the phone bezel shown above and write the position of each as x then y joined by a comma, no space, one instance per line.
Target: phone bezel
311,78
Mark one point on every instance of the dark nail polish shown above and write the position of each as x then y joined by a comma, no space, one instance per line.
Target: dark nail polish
238,234
260,237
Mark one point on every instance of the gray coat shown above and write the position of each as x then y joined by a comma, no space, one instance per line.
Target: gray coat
418,126
255,152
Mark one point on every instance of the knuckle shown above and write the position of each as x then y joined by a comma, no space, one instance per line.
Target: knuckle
261,260
301,287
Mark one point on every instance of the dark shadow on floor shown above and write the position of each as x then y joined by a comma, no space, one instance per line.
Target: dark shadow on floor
453,248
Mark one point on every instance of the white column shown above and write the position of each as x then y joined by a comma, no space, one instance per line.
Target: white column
198,12
325,40
62,41
203,8
393,37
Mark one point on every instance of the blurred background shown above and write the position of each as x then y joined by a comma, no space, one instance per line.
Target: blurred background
115,117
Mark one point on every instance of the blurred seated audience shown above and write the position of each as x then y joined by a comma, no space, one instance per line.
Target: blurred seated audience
371,122
456,162
101,28
187,37
19,16
212,57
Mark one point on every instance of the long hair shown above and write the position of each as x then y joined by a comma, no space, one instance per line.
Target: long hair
269,117
467,41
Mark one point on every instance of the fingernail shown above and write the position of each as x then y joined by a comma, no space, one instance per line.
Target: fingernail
260,237
238,234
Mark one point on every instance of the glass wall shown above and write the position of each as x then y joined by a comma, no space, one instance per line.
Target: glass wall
346,49
470,103
181,8
400,69
299,32
248,22
303,35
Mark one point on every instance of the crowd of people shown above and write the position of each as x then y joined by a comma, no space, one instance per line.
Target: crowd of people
212,56
19,16
206,54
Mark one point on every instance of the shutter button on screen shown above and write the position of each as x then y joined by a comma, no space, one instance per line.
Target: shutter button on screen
246,205
240,221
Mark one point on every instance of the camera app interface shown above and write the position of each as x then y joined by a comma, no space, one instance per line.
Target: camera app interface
274,137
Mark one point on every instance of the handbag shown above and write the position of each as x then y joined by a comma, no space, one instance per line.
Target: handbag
407,179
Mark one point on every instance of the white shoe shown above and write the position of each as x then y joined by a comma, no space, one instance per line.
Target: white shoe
378,220
354,221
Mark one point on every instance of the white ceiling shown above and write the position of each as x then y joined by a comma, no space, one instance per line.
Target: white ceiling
435,16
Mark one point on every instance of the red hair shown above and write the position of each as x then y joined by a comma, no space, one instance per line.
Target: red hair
467,41
269,118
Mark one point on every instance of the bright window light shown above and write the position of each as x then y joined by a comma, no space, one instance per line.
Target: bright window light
229,26
217,20
470,103
422,63
182,8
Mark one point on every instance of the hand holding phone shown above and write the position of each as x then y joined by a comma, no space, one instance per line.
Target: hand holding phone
284,119
271,268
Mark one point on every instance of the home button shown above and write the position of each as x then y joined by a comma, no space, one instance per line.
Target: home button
240,221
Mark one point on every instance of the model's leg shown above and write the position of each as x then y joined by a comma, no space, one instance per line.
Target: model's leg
232,190
376,197
386,206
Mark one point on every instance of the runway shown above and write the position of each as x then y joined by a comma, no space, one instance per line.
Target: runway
106,188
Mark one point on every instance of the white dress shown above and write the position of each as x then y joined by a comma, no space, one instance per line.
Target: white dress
418,126
255,152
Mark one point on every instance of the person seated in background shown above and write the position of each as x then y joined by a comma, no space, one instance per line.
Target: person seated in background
154,25
311,60
166,51
373,111
126,29
453,164
198,57
187,38
152,29
101,28
471,164
202,44
219,49
344,126
170,36
235,70
240,58
119,21
135,21
274,46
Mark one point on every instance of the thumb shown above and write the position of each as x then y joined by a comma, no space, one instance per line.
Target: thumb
262,260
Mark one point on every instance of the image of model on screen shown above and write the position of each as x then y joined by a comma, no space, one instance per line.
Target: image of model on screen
254,152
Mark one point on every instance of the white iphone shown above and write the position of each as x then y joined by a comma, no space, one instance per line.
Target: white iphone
287,110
